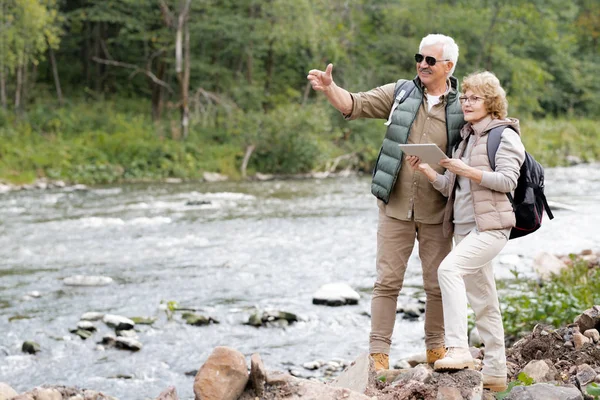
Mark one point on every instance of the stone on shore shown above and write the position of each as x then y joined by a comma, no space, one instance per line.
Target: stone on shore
336,294
118,322
589,319
169,393
544,391
359,374
7,392
258,374
541,371
84,280
30,347
223,376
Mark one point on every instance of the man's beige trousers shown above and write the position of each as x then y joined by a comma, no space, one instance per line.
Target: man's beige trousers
468,269
395,242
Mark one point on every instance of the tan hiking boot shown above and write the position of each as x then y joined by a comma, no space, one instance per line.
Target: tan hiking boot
382,361
456,358
494,383
435,354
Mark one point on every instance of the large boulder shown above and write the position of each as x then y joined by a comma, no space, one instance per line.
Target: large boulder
544,391
546,265
7,392
223,376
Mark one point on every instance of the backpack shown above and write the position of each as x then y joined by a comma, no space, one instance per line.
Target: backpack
529,201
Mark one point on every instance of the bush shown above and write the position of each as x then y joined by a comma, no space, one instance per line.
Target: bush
555,302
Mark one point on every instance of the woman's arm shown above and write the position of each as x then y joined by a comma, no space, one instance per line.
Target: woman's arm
509,158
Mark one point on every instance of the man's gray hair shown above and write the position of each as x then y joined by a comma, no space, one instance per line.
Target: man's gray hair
450,47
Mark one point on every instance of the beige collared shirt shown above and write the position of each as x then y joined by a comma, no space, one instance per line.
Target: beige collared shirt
413,196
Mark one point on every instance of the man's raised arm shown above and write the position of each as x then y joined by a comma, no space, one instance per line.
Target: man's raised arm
322,81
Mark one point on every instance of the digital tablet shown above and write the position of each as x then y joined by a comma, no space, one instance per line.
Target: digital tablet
428,152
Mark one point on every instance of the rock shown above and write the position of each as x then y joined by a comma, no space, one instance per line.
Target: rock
258,374
127,333
546,265
169,393
109,340
475,338
143,320
86,325
173,180
35,294
198,320
82,333
579,340
127,343
295,388
540,371
84,280
214,177
312,365
264,177
401,364
358,375
223,376
416,359
30,347
411,312
585,375
544,391
118,322
47,394
421,373
449,393
6,392
197,203
336,294
573,160
282,318
92,316
592,334
590,319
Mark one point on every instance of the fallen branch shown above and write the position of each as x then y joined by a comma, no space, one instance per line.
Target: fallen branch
136,71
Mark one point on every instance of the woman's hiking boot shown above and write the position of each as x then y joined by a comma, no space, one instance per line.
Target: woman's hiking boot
456,358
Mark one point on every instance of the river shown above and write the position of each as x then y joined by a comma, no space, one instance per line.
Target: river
243,245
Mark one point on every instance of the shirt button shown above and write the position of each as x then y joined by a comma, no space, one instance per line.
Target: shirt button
414,183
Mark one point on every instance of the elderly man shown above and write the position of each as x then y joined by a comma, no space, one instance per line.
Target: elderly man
424,110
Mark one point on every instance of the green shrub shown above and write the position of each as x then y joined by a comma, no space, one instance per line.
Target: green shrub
555,302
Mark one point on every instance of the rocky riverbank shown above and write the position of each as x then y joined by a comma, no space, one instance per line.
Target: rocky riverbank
548,363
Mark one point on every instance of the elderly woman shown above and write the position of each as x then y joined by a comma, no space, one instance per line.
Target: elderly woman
482,216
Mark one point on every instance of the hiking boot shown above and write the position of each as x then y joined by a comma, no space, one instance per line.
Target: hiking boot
494,383
456,358
382,361
435,354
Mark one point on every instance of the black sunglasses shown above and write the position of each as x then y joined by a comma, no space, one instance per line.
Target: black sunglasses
431,61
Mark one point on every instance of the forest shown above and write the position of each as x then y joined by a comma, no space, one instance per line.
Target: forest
107,91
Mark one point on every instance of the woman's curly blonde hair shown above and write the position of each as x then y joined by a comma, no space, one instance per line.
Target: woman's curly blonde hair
488,86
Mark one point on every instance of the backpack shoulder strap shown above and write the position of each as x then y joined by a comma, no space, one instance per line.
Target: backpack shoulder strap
493,142
402,90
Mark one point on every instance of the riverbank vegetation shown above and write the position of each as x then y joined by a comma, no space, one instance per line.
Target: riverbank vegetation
104,91
556,301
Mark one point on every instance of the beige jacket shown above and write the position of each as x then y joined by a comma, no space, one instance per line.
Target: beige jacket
491,207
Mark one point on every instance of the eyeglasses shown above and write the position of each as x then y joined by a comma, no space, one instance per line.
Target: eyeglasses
471,99
431,61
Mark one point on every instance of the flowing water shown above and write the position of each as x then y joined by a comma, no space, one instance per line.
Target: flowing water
242,246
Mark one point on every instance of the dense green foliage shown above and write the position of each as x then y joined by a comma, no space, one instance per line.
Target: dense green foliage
555,302
119,115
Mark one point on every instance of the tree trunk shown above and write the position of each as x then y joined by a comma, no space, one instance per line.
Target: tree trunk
157,92
183,71
55,74
270,64
3,98
18,87
3,88
249,151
